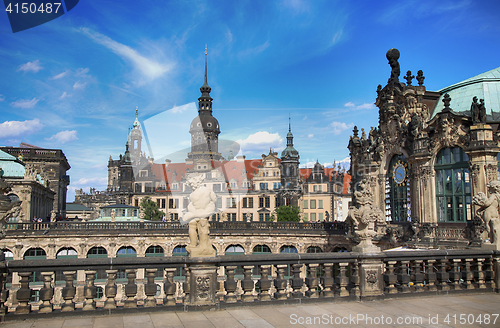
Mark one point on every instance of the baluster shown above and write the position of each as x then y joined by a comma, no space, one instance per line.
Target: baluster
442,276
418,276
264,283
342,280
479,276
110,290
90,290
187,285
247,284
404,277
169,287
130,289
430,276
150,288
488,273
4,295
68,292
24,293
327,280
46,293
354,289
280,283
296,281
455,274
230,284
467,275
390,278
312,280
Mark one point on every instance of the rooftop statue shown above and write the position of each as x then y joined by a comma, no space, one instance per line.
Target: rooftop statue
393,56
489,211
201,206
8,208
363,217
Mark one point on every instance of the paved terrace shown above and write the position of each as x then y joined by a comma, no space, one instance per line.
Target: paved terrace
475,310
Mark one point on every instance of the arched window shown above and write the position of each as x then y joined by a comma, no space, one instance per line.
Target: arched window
261,249
35,254
66,252
397,191
288,249
97,252
453,189
126,251
314,249
8,254
154,251
235,250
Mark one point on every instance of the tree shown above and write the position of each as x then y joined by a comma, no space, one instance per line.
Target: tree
288,213
150,210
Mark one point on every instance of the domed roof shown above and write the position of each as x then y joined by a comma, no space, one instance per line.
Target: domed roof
484,86
206,122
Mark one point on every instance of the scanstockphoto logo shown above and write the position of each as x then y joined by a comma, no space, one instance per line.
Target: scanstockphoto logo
30,13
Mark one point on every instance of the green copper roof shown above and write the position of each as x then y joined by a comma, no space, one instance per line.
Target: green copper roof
484,86
11,168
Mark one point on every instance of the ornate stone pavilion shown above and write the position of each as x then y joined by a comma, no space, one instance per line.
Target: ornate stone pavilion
431,152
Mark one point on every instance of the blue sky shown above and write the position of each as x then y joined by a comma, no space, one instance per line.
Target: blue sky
74,83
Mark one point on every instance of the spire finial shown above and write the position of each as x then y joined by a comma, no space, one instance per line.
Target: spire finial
206,53
289,123
136,111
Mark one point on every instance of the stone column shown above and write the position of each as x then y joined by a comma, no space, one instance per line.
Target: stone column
169,287
203,284
110,290
46,293
24,294
371,281
90,290
68,292
150,288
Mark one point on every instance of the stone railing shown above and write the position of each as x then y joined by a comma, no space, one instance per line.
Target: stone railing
111,285
339,228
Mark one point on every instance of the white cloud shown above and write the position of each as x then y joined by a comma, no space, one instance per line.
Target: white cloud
148,67
60,75
90,182
310,135
63,136
64,95
183,108
24,103
261,142
336,37
255,50
352,106
2,98
82,72
339,127
33,66
79,85
10,129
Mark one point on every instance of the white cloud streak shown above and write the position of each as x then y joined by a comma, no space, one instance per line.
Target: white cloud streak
261,142
352,106
24,103
60,75
339,127
33,66
12,129
64,136
148,67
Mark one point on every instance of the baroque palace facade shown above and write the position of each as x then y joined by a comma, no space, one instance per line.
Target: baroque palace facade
431,152
247,189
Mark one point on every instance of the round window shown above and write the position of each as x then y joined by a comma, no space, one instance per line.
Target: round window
209,125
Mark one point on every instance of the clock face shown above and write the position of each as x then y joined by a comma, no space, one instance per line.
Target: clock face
399,173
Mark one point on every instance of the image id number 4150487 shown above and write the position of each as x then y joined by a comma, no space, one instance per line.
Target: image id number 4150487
32,8
470,319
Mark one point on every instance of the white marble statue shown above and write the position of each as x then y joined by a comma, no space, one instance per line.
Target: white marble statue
201,206
489,211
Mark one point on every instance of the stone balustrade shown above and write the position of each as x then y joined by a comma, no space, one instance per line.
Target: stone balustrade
223,281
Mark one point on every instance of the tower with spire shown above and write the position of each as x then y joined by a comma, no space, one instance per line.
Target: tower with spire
204,131
135,137
291,189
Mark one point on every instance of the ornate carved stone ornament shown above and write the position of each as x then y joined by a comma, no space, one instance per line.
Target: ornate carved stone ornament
474,171
489,211
203,287
491,172
371,277
8,208
363,217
